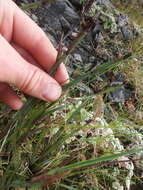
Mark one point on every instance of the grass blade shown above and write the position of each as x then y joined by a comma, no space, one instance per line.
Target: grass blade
94,161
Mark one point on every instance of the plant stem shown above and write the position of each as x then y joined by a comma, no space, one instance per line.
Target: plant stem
62,58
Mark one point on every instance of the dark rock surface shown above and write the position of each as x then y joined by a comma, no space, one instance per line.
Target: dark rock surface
119,95
76,3
106,42
57,17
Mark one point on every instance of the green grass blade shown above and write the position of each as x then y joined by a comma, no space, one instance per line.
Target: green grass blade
95,73
94,161
68,187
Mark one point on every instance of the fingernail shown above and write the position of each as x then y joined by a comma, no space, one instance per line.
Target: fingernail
65,82
17,104
52,92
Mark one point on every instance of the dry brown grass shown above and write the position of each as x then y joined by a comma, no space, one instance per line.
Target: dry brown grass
133,69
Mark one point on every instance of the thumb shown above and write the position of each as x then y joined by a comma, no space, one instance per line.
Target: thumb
28,78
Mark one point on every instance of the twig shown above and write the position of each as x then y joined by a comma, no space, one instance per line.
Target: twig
59,55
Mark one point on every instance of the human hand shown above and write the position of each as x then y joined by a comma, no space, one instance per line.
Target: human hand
26,54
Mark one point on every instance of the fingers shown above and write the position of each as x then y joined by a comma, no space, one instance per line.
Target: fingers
29,78
25,54
6,18
29,36
60,72
9,97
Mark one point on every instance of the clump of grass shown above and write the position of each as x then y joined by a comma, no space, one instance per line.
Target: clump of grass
133,69
133,8
66,144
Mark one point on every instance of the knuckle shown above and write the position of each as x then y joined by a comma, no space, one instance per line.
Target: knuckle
32,81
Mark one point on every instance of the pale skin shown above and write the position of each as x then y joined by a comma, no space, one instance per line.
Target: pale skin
26,56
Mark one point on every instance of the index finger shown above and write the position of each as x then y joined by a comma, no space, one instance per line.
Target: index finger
30,36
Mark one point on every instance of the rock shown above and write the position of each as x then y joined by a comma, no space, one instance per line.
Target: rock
122,20
76,3
92,59
77,58
96,31
119,78
59,16
21,1
52,39
66,10
119,95
65,24
106,3
127,33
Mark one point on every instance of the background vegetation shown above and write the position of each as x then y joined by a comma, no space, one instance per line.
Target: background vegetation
84,140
